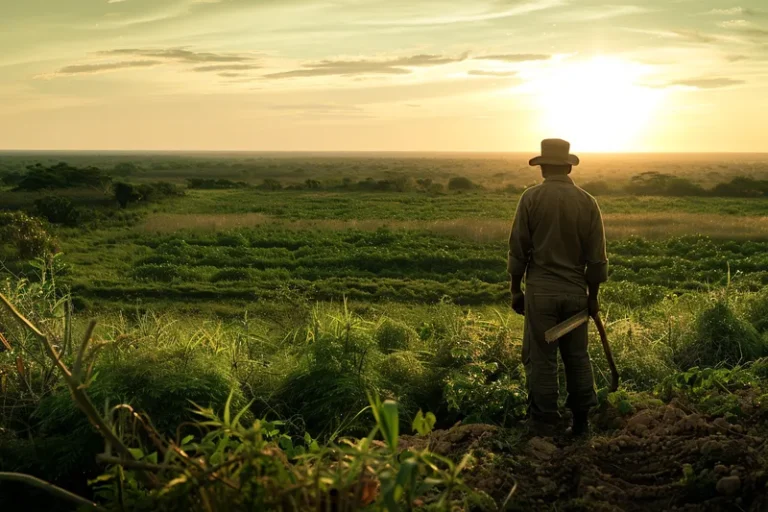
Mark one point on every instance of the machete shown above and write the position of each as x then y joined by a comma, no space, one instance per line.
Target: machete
575,321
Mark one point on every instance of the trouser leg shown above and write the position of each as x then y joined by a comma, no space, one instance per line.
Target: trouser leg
575,354
540,358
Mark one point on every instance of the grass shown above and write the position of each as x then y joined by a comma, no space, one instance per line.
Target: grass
653,226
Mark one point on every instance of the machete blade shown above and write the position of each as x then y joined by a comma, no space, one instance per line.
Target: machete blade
566,326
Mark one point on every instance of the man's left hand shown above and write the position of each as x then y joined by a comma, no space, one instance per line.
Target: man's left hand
518,303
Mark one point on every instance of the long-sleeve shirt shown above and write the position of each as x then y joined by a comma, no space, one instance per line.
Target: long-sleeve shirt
558,239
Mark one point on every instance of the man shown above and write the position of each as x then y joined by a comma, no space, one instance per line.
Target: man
558,245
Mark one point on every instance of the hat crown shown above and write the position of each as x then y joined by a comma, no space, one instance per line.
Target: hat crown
556,148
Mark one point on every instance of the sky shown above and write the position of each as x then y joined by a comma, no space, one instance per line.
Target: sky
384,75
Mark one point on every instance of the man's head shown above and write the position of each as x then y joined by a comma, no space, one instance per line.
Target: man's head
555,170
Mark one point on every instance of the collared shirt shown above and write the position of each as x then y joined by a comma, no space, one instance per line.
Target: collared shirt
558,239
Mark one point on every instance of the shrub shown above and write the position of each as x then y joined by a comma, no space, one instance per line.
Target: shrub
392,336
721,338
460,183
270,184
402,371
26,235
58,210
161,382
757,311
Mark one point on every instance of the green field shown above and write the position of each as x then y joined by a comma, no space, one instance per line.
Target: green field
297,301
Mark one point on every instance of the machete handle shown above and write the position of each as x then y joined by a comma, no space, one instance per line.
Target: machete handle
608,354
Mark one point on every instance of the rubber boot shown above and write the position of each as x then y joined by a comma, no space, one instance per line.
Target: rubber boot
580,427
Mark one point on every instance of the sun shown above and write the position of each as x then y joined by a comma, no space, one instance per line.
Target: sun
597,104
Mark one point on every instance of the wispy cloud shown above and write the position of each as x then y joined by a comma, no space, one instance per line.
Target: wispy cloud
707,83
516,57
498,74
396,66
181,55
115,1
469,17
736,58
735,11
602,12
101,67
225,67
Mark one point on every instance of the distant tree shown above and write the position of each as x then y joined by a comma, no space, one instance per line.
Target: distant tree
741,186
126,193
270,184
313,184
62,175
460,183
659,184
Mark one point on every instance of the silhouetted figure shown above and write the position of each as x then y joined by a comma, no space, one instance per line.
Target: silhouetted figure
558,245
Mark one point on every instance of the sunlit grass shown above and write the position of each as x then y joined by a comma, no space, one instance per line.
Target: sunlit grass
618,226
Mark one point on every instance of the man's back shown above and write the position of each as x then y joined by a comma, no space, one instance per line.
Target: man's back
558,238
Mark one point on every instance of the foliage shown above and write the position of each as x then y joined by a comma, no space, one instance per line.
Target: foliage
721,338
460,183
214,184
392,336
61,175
59,210
26,235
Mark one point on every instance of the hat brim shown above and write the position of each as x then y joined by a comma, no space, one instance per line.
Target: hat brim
541,160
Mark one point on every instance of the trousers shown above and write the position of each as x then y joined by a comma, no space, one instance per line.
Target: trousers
542,312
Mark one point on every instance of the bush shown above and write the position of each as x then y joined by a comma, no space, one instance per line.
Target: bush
460,183
161,382
26,235
721,338
402,372
757,311
392,336
59,210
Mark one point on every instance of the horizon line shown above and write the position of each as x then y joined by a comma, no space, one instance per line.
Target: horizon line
365,151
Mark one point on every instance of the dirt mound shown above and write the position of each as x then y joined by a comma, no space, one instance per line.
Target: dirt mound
665,458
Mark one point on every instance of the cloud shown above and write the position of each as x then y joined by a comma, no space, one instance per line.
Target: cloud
734,11
229,74
396,66
603,12
736,58
225,67
487,15
516,57
695,36
181,55
498,74
116,1
101,67
707,83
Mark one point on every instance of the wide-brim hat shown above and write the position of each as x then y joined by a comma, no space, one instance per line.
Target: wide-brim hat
555,152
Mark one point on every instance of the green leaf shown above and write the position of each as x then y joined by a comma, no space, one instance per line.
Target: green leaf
187,440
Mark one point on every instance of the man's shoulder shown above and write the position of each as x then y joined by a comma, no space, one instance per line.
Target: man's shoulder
586,195
530,192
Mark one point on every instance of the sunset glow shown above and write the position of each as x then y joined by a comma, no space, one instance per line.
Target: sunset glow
391,75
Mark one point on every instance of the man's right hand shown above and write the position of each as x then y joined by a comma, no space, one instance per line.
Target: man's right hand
594,307
518,303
